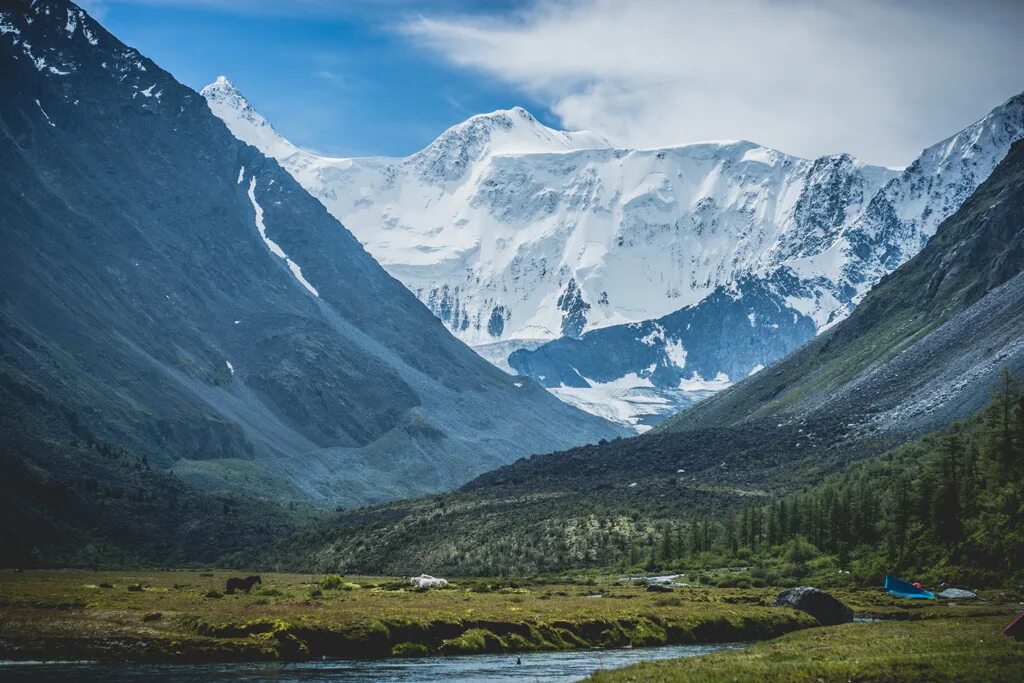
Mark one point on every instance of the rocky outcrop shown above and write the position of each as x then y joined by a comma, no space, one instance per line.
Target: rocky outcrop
819,604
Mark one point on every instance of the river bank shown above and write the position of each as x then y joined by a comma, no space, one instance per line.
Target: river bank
960,648
186,616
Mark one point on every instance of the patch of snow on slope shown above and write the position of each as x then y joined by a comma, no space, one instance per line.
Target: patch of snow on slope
675,353
274,247
625,400
45,115
698,383
497,353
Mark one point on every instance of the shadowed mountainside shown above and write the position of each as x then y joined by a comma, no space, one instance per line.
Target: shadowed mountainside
173,299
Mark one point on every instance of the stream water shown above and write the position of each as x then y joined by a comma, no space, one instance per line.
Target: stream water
536,666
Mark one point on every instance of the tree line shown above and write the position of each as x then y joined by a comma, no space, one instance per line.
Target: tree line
953,499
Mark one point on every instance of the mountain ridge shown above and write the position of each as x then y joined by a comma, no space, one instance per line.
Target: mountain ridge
189,302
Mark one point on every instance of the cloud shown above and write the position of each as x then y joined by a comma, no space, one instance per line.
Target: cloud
878,79
332,77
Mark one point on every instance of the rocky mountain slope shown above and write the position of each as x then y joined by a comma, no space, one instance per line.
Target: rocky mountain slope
514,233
925,347
170,293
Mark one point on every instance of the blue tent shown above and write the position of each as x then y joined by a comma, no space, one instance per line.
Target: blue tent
905,589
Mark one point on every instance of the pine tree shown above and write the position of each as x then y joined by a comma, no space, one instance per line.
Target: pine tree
945,507
729,532
902,513
666,544
999,444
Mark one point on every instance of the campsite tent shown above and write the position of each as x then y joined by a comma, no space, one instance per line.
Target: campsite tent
905,589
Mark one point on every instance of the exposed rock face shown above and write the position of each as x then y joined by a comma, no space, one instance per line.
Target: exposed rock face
815,602
640,373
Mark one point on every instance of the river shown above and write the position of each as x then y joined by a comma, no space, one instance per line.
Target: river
555,667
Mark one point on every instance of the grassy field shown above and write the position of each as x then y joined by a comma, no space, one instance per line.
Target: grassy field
185,616
951,649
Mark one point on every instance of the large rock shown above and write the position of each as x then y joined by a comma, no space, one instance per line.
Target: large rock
815,602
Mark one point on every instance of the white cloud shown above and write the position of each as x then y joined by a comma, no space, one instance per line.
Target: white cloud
878,79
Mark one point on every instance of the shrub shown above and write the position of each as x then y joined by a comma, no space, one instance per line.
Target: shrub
793,571
332,582
410,650
799,550
734,581
671,601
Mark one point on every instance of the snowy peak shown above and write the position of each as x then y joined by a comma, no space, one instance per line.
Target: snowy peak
242,119
223,94
517,131
506,131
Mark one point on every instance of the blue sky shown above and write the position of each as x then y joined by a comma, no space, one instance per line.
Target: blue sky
343,80
880,79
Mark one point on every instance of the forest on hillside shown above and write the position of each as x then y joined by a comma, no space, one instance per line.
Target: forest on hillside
949,506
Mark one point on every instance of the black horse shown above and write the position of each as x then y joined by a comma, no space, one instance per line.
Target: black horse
245,584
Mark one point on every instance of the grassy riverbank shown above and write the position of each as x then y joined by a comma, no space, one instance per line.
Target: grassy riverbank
185,616
950,649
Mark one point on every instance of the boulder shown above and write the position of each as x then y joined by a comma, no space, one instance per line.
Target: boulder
957,594
819,604
659,588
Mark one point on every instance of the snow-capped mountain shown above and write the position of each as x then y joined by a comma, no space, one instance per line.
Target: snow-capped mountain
512,232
